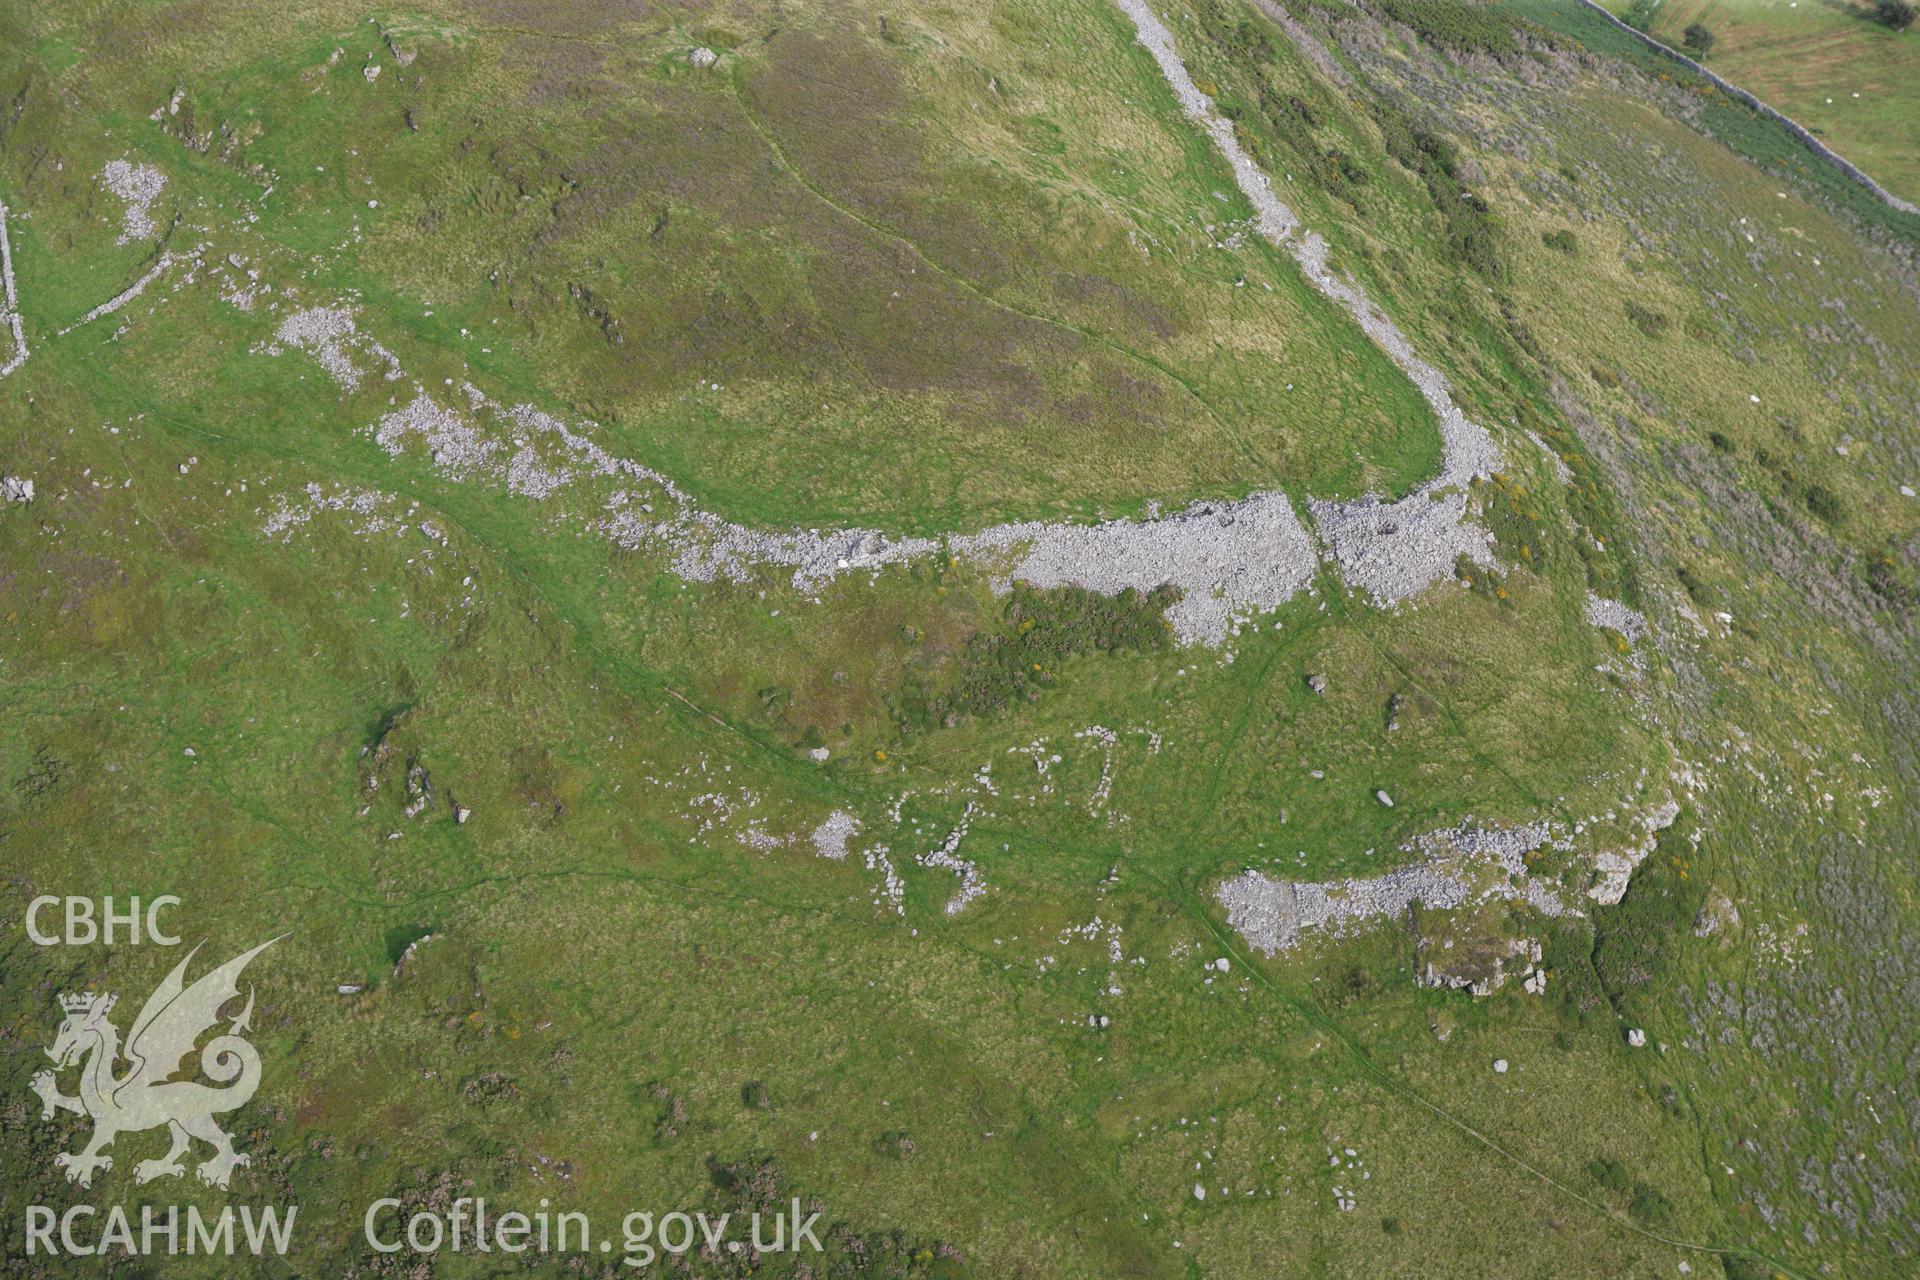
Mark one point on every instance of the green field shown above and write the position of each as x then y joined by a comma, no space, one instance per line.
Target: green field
1831,66
393,633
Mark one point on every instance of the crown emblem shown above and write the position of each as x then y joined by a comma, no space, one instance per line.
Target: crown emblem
168,1029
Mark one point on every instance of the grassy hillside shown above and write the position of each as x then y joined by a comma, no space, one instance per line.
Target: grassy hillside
361,597
1831,66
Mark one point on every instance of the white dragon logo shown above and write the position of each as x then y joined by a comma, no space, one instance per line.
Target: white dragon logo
146,1096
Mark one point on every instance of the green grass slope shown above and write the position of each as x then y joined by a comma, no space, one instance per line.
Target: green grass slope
544,815
1833,67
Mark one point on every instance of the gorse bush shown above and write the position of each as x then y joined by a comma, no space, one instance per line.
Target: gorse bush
1610,1174
1042,630
1739,1268
1470,223
1648,321
1289,120
1824,503
1454,24
1648,1207
1697,590
1635,939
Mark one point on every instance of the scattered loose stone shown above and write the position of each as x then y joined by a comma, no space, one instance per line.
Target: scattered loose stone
1463,865
1615,866
830,837
1445,967
413,949
326,333
1390,549
1230,560
947,857
10,300
1500,1065
139,186
365,503
1717,915
1636,1037
1615,616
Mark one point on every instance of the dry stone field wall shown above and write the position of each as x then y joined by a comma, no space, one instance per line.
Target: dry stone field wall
1393,550
10,311
1803,135
1231,560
